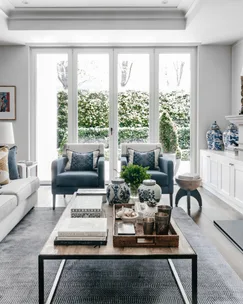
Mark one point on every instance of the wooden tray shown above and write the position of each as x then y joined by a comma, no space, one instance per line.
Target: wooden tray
140,239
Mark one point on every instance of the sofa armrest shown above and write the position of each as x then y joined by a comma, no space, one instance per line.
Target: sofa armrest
123,161
57,167
101,172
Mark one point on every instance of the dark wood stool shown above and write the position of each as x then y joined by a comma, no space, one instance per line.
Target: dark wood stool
188,188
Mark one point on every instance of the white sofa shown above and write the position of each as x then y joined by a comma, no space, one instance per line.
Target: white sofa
16,200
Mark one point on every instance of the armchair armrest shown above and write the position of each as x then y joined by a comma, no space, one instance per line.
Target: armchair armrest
57,167
123,161
167,167
101,171
21,170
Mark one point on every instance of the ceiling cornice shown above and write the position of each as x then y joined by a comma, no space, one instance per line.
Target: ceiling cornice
6,7
96,18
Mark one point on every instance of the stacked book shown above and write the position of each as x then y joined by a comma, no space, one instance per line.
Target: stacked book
82,231
86,206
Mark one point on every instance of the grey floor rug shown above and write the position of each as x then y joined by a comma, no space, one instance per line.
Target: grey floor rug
107,282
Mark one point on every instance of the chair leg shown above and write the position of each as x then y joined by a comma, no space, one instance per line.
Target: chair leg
54,201
64,195
171,200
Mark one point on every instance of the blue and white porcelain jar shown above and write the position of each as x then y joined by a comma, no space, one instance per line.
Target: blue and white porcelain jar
231,136
149,192
118,192
214,138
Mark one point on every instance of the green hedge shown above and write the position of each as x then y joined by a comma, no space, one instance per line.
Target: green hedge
124,135
133,115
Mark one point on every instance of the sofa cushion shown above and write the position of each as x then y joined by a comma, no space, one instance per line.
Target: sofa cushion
7,204
160,177
12,163
4,174
22,187
82,161
82,179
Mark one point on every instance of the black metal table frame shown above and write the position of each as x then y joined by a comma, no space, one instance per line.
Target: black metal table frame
42,258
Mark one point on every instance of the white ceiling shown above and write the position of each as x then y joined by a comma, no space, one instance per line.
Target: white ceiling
208,22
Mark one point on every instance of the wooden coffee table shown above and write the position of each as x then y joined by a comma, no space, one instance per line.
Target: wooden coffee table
51,252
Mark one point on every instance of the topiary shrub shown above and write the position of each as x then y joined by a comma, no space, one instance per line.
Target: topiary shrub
167,133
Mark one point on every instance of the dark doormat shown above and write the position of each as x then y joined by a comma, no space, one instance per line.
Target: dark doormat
233,230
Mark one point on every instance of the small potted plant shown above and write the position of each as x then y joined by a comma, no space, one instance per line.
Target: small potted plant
134,175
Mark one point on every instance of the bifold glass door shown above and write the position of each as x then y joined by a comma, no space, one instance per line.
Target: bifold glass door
51,109
93,101
133,98
109,96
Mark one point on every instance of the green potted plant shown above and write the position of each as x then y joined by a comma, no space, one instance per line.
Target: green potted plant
168,136
134,176
167,133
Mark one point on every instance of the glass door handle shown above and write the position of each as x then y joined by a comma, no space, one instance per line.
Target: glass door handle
111,131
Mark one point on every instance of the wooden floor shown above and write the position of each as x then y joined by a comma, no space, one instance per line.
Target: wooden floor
213,209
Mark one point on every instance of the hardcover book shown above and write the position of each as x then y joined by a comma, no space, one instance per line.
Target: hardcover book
83,227
95,191
85,214
80,242
126,228
87,203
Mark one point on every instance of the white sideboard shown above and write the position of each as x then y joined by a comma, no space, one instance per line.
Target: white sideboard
222,174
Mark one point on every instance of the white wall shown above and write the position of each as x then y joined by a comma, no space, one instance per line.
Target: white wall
237,65
214,89
14,70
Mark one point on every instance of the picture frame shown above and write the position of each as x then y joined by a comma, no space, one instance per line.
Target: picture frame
7,102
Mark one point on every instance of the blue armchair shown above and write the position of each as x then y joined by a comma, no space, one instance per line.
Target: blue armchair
67,182
163,175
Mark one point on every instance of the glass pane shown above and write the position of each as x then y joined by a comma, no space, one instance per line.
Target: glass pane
93,101
174,98
133,98
52,110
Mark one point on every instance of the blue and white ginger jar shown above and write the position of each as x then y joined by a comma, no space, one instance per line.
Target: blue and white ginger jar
149,192
118,192
215,138
231,136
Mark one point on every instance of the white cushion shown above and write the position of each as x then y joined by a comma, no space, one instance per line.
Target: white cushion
141,147
84,147
7,204
22,187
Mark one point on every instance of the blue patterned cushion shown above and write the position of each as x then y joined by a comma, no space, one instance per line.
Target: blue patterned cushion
81,161
144,159
12,163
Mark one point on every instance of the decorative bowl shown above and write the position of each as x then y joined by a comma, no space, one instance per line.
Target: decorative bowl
130,219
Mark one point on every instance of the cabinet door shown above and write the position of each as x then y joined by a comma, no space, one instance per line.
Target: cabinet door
204,167
237,186
213,172
225,176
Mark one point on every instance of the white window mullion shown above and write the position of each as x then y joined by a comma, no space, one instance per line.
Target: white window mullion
72,98
113,115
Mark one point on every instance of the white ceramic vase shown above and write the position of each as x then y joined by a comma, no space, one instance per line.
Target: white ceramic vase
149,192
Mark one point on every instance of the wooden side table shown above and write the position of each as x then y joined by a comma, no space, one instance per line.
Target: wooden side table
188,188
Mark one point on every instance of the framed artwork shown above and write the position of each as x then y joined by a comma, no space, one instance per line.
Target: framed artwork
7,102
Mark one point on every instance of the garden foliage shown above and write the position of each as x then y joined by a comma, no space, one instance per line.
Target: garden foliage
133,115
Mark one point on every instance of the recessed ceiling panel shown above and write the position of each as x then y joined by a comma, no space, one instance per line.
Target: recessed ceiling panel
95,3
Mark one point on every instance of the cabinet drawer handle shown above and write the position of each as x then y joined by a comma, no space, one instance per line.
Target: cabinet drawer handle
231,164
208,156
